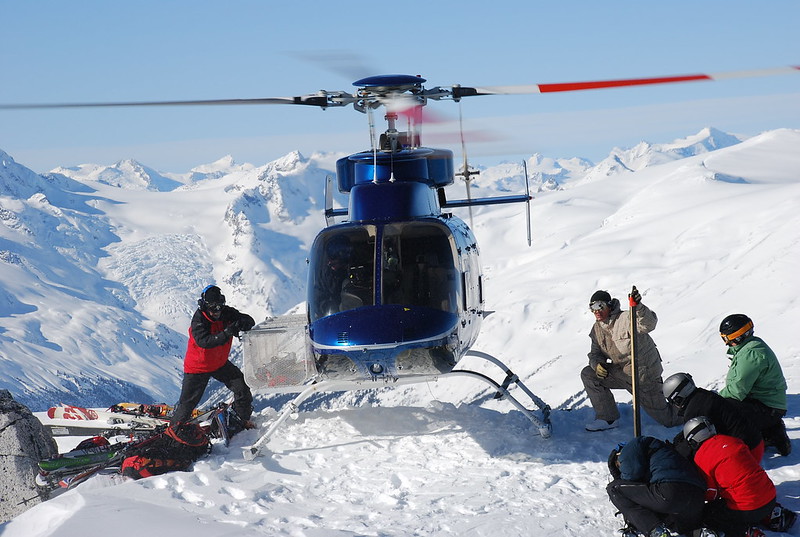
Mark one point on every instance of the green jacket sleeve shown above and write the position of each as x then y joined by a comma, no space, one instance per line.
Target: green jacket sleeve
742,375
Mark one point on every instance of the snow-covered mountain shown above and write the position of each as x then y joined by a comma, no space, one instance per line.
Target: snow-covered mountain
102,267
703,235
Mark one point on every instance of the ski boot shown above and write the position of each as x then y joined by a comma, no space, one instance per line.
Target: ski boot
660,531
706,532
781,519
629,531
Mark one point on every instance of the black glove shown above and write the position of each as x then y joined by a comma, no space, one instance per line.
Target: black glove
634,297
232,329
680,445
612,464
245,323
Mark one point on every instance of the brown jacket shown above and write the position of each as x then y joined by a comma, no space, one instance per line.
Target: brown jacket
611,340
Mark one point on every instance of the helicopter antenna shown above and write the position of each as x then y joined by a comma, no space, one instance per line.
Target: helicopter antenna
528,202
465,172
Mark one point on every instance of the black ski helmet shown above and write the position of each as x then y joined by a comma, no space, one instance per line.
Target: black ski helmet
698,430
735,328
678,387
211,295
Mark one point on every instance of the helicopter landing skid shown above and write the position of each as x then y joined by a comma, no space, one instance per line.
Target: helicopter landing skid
319,385
543,424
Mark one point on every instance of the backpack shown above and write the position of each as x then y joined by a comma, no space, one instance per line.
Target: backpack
175,449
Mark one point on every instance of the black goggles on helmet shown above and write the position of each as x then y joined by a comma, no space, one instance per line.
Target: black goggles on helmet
214,307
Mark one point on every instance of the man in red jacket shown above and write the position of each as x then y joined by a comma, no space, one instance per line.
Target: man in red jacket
210,338
740,494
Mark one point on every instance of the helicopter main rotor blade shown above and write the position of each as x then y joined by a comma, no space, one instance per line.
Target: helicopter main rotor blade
462,91
322,100
391,91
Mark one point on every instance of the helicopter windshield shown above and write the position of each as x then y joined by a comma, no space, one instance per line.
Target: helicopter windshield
342,271
415,265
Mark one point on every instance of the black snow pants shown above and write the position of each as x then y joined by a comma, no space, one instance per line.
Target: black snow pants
645,505
194,386
734,523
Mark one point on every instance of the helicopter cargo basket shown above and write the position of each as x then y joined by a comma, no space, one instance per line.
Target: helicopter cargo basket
276,356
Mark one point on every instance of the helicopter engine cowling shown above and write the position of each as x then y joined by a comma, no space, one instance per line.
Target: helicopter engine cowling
432,167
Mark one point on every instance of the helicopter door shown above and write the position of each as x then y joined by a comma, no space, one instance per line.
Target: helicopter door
418,266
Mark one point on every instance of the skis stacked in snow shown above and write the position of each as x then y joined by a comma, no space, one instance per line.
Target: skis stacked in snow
161,410
97,454
88,458
68,420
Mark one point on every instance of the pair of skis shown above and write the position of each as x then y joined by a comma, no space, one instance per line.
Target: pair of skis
74,467
69,420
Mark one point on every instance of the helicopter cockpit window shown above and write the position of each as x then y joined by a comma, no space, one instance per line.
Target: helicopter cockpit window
418,266
341,271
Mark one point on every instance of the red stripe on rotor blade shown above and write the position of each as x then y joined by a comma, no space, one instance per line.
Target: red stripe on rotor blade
599,84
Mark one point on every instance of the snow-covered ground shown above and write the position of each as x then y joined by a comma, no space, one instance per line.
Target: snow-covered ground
701,233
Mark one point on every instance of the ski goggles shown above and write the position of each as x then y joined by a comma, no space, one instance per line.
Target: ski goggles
214,307
732,338
598,305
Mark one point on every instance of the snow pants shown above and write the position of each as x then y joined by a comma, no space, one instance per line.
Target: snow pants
651,396
646,505
769,420
194,386
720,517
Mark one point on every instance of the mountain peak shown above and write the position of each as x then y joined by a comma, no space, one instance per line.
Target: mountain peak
707,139
646,154
289,161
127,174
224,164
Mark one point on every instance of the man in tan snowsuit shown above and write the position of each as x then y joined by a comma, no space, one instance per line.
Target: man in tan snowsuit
610,362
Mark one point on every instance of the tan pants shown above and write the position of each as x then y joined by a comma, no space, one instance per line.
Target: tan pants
651,396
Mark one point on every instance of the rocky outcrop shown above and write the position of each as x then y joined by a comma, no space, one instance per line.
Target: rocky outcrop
24,441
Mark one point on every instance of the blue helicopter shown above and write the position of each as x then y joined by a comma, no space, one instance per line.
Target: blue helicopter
395,292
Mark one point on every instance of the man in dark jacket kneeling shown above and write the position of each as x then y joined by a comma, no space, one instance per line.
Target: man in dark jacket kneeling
655,488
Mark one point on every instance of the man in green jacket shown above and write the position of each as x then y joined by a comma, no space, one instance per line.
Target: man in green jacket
756,380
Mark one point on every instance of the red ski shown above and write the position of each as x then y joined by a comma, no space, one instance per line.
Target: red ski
68,412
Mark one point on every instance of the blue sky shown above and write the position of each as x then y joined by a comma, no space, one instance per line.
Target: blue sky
146,50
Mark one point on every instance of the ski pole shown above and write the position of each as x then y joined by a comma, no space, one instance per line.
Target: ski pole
637,420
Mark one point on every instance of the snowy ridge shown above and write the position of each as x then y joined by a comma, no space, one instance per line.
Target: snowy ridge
127,174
